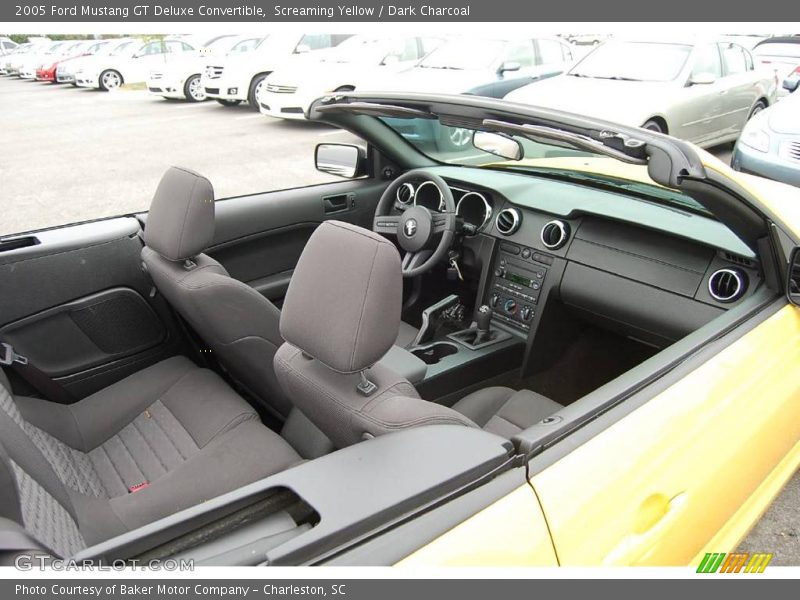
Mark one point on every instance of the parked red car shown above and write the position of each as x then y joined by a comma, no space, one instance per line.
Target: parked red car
47,71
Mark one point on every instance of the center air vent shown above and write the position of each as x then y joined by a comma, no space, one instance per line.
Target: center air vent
727,285
555,234
508,221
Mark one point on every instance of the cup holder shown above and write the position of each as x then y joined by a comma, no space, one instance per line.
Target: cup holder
434,353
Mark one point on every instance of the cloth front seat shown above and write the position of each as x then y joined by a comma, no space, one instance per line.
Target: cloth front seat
164,439
340,316
238,323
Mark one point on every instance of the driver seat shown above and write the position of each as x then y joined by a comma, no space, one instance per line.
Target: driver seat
238,323
341,314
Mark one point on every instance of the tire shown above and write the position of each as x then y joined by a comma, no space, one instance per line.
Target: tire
760,105
193,91
255,87
229,102
110,80
653,125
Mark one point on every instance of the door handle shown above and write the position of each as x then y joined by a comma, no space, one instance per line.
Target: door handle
654,516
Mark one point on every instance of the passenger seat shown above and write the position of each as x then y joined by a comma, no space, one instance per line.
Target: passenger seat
164,439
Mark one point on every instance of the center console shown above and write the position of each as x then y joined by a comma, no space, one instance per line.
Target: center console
516,280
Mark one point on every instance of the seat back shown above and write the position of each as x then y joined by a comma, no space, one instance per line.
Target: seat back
237,323
340,317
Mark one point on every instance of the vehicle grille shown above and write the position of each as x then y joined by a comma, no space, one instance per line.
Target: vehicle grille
281,89
790,151
214,72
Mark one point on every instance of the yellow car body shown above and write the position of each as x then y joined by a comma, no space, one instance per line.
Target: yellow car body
688,472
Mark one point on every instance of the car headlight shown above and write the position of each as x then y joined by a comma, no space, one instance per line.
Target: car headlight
756,138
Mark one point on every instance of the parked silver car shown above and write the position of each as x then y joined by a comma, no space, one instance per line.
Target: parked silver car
770,143
703,91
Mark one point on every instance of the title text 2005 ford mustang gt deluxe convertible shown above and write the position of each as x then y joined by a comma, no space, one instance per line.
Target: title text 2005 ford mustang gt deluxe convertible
571,343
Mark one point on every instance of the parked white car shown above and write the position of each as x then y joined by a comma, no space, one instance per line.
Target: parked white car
180,78
7,46
700,90
239,77
357,63
483,66
8,59
130,62
14,61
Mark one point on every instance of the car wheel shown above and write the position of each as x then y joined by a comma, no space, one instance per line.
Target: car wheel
757,109
110,80
229,102
653,125
193,90
255,91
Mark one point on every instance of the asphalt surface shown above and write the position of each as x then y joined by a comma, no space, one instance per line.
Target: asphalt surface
71,154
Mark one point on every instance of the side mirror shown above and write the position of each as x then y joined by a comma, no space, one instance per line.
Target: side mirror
791,83
302,49
509,66
793,284
498,144
342,160
702,79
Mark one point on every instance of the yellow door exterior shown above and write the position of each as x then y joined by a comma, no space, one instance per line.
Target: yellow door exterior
692,469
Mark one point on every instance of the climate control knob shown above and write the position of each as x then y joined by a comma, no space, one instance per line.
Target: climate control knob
499,271
526,313
493,300
510,306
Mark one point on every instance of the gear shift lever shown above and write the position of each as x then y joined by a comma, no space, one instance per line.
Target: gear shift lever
484,322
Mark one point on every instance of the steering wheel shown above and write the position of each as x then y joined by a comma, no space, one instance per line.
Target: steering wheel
416,227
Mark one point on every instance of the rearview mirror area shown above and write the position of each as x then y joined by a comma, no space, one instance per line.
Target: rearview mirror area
498,144
793,284
342,160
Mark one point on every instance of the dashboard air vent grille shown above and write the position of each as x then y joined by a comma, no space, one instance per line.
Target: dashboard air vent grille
727,285
508,221
555,234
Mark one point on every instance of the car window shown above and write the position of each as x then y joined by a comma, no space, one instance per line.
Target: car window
404,50
246,45
778,49
429,45
122,49
315,41
637,61
567,52
550,52
152,48
733,59
707,61
520,52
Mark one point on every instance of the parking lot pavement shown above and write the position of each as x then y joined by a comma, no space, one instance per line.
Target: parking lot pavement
71,154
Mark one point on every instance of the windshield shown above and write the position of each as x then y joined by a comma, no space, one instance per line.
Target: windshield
634,61
358,50
245,45
467,54
122,48
453,145
788,50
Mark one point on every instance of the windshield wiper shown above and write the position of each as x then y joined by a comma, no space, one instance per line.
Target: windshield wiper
616,145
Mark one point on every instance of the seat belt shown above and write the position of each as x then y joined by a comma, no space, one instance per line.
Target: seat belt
40,381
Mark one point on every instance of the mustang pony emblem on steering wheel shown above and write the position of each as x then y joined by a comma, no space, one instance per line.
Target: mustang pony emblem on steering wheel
410,228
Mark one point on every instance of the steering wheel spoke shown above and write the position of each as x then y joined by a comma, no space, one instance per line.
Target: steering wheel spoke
386,224
442,222
413,260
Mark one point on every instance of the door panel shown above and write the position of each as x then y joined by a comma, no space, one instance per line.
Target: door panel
659,485
78,305
259,238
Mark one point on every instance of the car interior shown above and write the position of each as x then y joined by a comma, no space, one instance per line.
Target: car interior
216,379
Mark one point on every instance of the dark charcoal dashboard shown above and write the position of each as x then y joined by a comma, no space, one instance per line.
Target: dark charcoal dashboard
644,269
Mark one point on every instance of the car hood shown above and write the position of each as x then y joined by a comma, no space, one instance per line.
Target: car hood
322,76
419,79
626,102
784,117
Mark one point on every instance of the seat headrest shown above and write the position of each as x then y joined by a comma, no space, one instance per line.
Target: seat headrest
180,224
344,300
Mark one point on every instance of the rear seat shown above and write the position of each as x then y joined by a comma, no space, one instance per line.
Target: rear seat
164,439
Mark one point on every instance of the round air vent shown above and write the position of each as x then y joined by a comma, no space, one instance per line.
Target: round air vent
727,285
508,221
405,194
555,234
